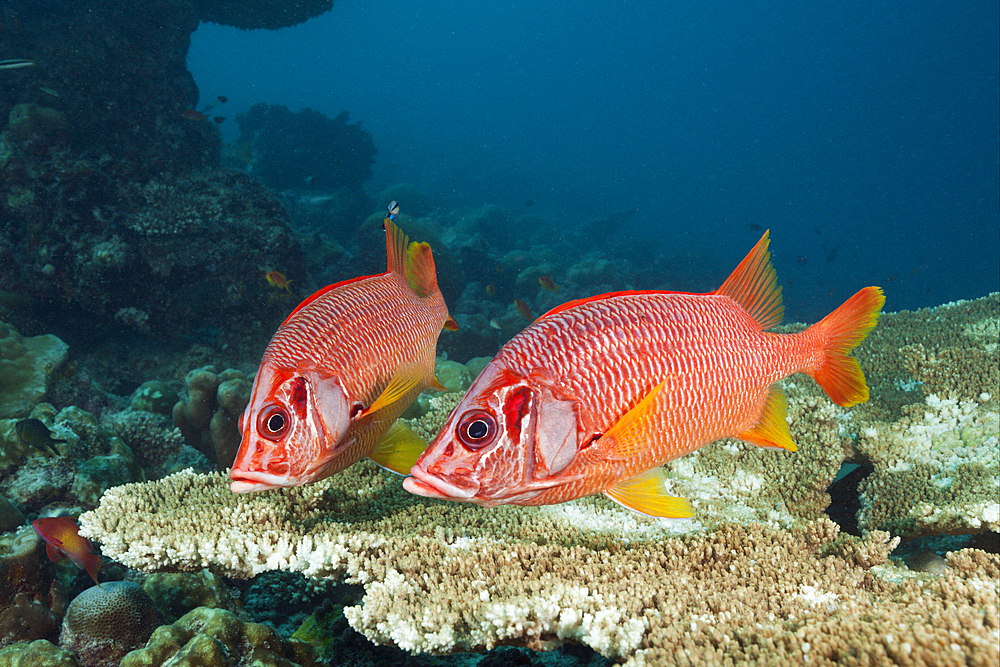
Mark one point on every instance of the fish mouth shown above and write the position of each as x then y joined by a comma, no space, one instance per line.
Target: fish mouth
246,482
423,484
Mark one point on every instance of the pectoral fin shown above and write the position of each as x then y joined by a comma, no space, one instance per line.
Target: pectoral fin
404,380
771,430
629,437
398,449
646,494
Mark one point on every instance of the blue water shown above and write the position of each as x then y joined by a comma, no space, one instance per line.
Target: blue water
863,134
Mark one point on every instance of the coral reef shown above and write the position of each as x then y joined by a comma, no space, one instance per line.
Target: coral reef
105,622
39,653
306,149
208,415
91,459
445,577
26,365
31,600
177,593
218,638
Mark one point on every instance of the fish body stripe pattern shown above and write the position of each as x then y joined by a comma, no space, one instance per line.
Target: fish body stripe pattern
325,334
595,395
717,361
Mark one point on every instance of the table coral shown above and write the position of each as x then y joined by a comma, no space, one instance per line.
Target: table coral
444,577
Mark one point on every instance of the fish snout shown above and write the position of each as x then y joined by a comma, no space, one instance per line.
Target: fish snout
456,486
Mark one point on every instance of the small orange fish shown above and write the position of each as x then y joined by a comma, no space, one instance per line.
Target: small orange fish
523,309
278,279
491,290
547,283
597,394
62,535
339,372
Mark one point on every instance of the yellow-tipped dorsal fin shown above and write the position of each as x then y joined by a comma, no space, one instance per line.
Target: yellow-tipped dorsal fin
754,286
645,493
420,271
398,449
771,430
395,247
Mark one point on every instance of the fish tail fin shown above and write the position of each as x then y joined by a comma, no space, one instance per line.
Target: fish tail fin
837,373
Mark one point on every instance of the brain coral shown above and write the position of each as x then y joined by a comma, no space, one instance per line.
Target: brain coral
105,622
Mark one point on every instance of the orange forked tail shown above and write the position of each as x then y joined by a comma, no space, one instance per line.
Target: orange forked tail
840,332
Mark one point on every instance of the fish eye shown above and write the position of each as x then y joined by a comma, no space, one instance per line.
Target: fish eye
272,422
476,429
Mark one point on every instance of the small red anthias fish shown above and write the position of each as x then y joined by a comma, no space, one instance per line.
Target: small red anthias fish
597,394
278,279
546,282
523,309
62,536
339,372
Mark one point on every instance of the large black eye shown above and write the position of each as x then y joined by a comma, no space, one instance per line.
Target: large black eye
476,429
273,422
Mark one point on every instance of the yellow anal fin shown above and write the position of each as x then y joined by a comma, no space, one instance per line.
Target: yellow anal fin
646,494
771,430
404,381
629,437
398,449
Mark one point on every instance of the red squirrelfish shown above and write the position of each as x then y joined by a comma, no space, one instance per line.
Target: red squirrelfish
340,370
598,393
62,536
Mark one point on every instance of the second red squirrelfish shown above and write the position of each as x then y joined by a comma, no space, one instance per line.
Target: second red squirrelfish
595,395
340,370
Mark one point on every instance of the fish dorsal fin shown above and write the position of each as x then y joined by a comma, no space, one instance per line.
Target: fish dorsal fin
600,297
414,261
771,430
395,248
645,493
398,449
404,380
629,437
420,270
754,286
320,292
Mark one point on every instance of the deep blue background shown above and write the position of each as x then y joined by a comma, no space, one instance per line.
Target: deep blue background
863,134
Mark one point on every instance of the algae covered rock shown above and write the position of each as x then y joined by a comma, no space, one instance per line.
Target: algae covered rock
26,364
208,414
218,638
39,653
